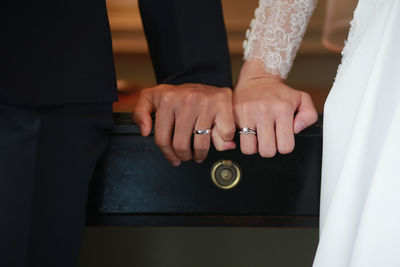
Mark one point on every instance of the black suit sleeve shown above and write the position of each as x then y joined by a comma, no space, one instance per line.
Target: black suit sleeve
187,41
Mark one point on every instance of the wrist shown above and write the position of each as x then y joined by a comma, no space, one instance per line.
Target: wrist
253,69
253,73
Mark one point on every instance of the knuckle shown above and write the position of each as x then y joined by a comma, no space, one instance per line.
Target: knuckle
249,150
286,148
201,154
224,94
182,151
264,107
268,153
283,108
167,97
267,150
199,159
186,157
170,158
190,97
285,151
178,147
244,107
201,148
238,106
227,132
183,154
161,142
160,115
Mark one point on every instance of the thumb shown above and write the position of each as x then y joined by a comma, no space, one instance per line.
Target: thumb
306,114
142,112
220,144
224,131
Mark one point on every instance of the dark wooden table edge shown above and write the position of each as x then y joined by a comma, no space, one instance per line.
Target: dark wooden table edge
202,220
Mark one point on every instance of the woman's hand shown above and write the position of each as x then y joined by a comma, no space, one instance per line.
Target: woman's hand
180,109
276,111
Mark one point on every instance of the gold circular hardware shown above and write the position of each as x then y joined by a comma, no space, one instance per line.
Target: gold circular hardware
225,174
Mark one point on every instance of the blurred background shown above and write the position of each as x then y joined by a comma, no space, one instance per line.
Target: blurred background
313,71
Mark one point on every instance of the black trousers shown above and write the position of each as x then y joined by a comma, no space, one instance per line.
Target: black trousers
47,159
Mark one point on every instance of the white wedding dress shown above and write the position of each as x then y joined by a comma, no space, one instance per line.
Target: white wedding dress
360,194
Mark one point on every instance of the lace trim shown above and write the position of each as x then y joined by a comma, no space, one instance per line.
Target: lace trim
276,32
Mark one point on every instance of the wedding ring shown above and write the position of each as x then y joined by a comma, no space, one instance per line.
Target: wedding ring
247,130
205,131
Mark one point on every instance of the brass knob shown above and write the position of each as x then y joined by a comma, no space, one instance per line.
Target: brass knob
225,174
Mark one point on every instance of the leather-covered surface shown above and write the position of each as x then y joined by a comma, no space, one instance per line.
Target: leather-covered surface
133,178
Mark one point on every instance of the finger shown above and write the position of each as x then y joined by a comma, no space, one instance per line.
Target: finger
306,113
225,122
184,125
284,133
201,142
248,142
224,128
163,129
142,112
219,143
266,138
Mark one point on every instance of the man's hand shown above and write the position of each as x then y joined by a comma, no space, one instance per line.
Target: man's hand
276,111
180,109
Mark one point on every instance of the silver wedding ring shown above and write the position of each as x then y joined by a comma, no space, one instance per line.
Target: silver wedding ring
205,131
247,130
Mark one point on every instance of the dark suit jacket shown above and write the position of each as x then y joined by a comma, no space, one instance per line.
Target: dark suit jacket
59,51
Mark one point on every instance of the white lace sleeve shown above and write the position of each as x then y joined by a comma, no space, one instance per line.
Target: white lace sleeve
276,32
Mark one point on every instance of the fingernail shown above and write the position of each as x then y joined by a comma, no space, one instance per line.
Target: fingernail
299,126
199,160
